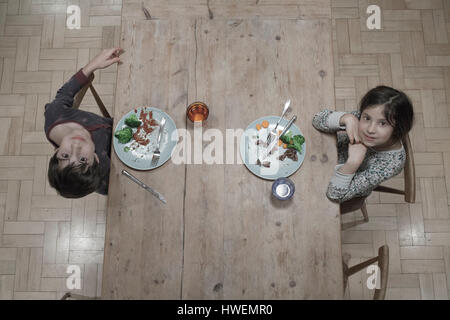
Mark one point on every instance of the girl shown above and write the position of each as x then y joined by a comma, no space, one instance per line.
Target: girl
370,150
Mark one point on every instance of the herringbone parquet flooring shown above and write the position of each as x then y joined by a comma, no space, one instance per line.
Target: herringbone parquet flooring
41,233
412,53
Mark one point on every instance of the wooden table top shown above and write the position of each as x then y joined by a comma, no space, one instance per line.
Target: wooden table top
221,235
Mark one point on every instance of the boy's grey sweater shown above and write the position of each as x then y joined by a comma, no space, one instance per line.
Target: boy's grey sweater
60,111
377,166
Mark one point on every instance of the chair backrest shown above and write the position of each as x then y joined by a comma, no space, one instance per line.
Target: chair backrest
409,175
80,95
409,171
383,263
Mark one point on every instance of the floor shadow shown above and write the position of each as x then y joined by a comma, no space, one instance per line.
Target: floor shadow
348,225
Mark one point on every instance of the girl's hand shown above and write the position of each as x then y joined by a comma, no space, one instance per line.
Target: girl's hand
351,127
104,59
356,155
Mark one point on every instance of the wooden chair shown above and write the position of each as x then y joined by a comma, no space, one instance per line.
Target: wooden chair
383,264
73,296
409,190
80,95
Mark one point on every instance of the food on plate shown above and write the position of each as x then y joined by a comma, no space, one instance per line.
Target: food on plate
124,135
288,141
275,148
293,142
264,164
141,134
290,153
143,126
262,143
264,124
132,121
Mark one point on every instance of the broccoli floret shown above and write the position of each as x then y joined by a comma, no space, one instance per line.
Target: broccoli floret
132,121
124,135
293,142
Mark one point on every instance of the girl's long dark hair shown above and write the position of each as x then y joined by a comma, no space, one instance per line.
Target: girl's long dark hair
398,109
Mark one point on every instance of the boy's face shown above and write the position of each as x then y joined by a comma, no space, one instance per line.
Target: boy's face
374,129
76,148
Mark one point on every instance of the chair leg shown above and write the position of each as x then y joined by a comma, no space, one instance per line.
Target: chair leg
345,273
364,212
74,296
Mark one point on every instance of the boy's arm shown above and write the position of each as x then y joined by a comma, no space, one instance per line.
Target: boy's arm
65,95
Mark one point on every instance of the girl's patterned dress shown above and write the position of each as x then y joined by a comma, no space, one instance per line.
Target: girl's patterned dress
377,166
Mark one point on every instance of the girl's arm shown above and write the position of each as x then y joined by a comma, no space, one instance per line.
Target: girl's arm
329,121
345,186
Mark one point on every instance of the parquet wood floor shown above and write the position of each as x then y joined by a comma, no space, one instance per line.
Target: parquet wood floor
41,233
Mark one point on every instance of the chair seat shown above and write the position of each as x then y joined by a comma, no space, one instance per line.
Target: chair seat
352,205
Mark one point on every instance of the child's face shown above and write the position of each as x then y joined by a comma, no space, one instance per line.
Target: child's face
374,130
76,148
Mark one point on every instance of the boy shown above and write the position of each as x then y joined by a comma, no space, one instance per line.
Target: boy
82,139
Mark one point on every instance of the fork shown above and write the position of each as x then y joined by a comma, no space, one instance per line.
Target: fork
269,136
157,153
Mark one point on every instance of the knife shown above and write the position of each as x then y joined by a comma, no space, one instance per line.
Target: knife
274,142
143,185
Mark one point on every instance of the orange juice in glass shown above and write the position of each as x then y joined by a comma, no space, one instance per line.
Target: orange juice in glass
197,112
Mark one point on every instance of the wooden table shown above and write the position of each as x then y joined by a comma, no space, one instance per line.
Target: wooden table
221,234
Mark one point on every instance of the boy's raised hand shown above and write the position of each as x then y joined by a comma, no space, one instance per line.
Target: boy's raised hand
104,59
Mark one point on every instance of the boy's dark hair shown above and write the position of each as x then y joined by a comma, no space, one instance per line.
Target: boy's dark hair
398,109
73,181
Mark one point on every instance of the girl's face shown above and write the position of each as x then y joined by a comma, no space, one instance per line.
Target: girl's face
374,130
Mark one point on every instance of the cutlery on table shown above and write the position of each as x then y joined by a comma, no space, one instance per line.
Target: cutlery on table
274,131
157,153
143,185
146,13
274,142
